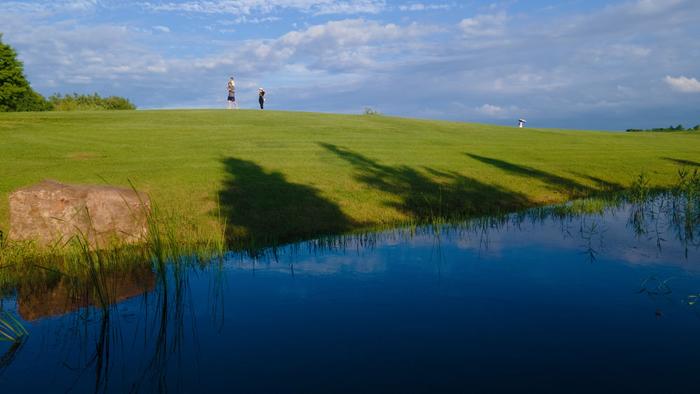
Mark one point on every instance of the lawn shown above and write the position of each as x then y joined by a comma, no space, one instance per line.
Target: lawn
281,176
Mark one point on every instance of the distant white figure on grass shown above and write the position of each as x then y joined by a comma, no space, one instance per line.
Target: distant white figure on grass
231,87
261,98
521,123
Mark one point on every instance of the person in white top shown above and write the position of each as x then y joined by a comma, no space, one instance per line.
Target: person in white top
231,86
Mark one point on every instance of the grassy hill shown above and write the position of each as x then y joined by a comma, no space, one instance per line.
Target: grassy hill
280,176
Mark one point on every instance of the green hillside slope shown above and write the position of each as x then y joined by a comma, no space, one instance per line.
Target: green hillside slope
279,176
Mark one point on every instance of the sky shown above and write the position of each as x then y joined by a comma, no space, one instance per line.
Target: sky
585,64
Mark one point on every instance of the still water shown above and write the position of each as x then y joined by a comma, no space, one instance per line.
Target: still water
538,302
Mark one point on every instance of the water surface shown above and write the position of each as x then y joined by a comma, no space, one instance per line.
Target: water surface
537,302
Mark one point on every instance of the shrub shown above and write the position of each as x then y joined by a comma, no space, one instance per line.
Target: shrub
665,129
89,102
371,111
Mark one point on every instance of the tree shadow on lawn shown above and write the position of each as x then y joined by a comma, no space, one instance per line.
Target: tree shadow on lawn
603,185
683,162
431,194
563,185
262,208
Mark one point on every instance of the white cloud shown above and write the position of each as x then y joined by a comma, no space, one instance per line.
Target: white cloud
516,80
77,4
253,20
351,7
484,25
603,53
651,7
96,58
629,17
491,110
340,46
424,7
46,8
251,7
162,29
683,84
349,32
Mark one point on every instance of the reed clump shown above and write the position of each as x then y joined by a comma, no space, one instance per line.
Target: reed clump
170,238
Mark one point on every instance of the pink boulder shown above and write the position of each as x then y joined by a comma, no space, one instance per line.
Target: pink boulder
51,213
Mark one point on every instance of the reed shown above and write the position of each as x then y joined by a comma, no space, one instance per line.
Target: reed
11,329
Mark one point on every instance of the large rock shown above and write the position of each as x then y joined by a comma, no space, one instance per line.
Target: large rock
52,213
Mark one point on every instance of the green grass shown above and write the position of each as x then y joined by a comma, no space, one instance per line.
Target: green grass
281,176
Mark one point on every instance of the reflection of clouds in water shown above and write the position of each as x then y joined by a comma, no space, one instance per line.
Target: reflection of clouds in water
371,263
656,245
493,242
636,256
610,236
363,263
486,244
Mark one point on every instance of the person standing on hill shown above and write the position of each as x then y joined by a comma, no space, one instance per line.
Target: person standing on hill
261,98
231,86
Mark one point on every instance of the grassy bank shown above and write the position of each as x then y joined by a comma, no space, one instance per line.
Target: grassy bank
281,176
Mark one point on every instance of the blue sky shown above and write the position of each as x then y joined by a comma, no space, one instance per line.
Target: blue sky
573,64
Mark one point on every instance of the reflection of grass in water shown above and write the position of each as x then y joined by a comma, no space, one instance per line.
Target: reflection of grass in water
8,357
677,210
11,329
18,342
655,286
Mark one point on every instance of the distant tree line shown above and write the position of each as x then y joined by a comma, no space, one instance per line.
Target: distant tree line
88,102
17,95
669,128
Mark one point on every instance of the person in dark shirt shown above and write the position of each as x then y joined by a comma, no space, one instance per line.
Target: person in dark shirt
261,98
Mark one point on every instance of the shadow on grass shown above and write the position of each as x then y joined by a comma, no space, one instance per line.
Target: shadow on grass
263,209
566,186
431,194
683,162
603,185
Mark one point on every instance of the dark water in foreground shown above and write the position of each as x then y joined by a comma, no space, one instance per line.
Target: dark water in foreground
533,303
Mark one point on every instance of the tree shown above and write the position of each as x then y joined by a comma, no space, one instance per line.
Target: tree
15,92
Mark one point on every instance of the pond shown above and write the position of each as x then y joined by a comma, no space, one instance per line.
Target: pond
549,300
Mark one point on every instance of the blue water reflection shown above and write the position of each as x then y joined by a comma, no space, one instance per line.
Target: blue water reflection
531,303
